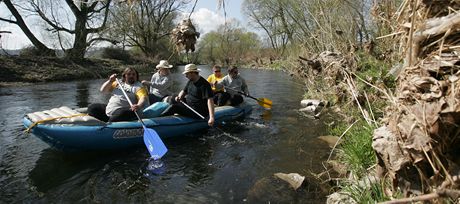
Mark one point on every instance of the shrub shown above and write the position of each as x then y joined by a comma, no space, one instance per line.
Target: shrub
116,53
29,51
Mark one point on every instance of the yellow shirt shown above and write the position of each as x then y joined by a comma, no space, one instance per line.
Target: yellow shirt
141,92
212,79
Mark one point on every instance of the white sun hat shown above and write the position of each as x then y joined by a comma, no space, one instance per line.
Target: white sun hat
191,68
164,64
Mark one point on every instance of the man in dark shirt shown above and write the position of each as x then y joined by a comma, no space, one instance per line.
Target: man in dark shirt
197,94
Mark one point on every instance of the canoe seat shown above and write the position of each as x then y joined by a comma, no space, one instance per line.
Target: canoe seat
64,115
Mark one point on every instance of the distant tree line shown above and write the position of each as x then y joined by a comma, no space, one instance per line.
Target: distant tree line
143,27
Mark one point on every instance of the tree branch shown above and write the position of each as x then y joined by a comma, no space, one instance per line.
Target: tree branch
47,20
8,20
73,7
446,193
104,22
102,39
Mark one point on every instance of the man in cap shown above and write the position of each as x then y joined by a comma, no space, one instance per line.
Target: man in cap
161,82
197,93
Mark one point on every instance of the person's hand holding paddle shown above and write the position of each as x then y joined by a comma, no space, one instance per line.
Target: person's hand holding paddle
135,107
112,77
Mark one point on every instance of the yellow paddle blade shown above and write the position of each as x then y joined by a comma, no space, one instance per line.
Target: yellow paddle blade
265,102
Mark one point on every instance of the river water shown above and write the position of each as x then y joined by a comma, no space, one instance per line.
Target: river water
207,167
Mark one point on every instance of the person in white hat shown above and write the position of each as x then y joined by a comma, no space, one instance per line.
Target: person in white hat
161,83
197,93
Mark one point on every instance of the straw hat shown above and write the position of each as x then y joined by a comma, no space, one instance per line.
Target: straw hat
190,68
164,64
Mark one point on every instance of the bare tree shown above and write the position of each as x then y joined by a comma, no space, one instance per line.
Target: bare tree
269,16
146,24
87,20
314,25
42,48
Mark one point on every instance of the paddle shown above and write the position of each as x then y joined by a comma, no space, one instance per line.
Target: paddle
264,102
202,117
186,105
152,141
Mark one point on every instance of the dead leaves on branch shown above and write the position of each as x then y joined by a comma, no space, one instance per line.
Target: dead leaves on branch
422,133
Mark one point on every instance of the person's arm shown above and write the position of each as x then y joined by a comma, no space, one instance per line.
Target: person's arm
222,83
164,84
149,83
244,87
211,111
182,93
141,96
180,96
108,86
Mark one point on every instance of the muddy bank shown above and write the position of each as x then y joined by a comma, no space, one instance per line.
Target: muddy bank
23,70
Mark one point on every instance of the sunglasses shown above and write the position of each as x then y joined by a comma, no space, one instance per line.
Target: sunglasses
217,71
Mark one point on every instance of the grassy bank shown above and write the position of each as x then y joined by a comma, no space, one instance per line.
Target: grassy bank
352,85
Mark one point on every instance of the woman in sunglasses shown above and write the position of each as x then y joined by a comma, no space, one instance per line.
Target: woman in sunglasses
213,79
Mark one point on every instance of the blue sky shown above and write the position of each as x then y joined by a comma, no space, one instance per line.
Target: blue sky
206,16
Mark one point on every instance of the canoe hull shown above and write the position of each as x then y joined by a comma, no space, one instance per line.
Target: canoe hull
125,134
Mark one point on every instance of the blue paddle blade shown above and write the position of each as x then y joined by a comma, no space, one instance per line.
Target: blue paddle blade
154,143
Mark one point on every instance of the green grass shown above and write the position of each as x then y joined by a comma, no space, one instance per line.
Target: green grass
373,71
373,192
355,150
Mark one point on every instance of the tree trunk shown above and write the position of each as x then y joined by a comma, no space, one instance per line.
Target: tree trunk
42,48
77,52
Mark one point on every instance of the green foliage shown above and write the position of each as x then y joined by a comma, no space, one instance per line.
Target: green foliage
374,71
355,150
116,53
230,44
365,191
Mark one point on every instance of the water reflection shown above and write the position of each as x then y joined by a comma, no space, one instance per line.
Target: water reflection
82,94
266,115
55,168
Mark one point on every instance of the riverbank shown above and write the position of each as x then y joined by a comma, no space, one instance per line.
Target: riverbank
24,70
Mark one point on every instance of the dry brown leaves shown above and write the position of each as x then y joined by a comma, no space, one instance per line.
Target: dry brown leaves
422,133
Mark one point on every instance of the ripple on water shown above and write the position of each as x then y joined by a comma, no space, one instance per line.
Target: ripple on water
205,167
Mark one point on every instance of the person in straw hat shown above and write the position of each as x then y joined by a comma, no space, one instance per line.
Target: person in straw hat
197,93
161,82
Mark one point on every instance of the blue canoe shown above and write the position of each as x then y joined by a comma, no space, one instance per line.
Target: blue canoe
90,135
